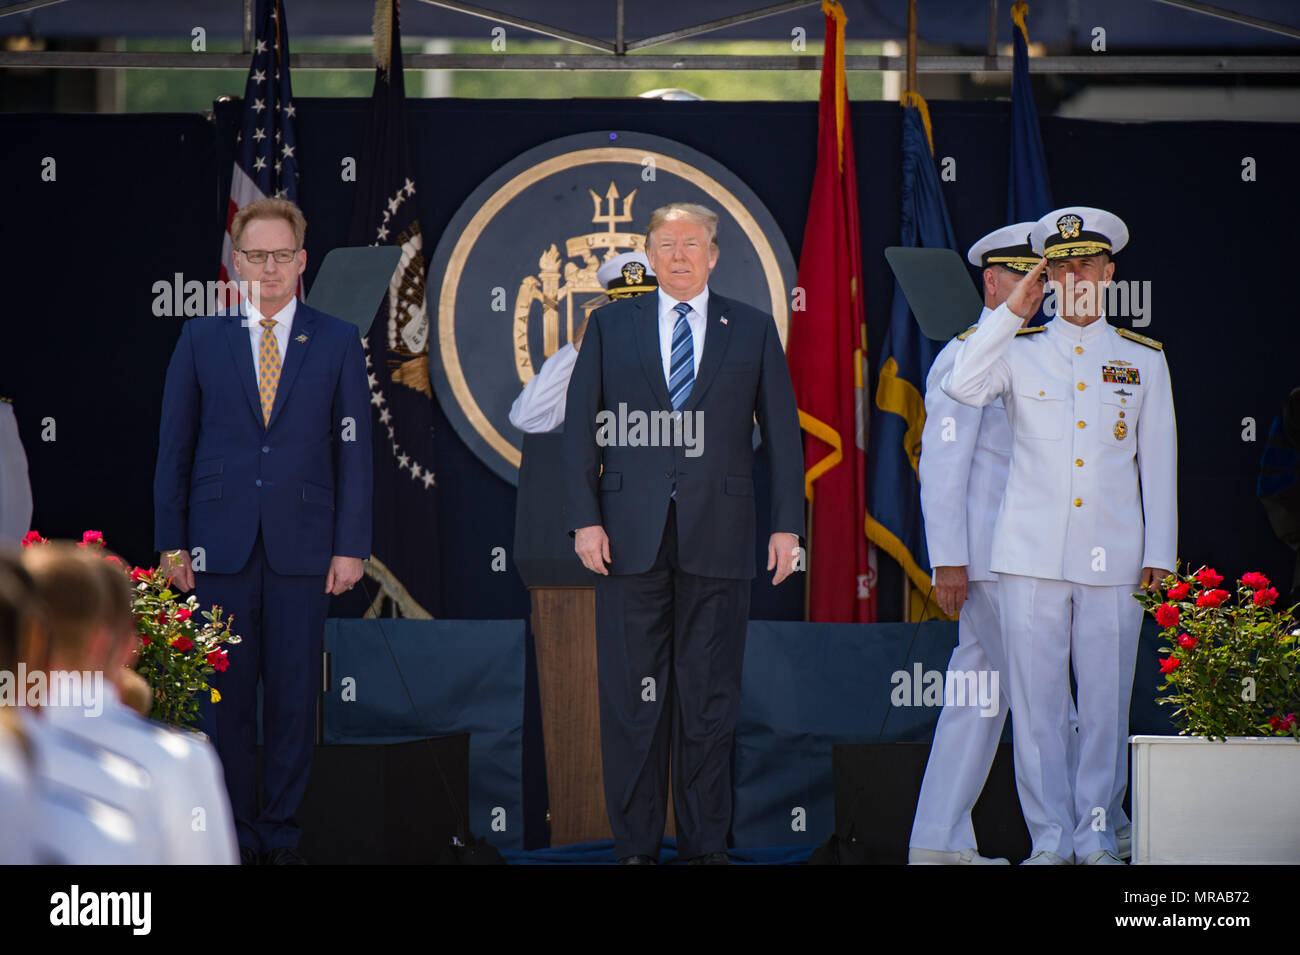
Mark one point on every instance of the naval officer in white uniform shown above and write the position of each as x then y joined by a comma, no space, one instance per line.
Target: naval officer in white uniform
965,454
540,406
1089,515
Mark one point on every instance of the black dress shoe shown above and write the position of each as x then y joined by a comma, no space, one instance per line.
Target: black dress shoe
249,856
711,858
637,860
284,855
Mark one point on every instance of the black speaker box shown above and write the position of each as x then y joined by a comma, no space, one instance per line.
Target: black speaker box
384,804
876,788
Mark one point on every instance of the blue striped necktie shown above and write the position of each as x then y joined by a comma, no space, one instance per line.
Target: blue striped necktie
681,366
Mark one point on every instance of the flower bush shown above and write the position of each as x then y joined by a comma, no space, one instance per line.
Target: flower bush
180,646
1231,666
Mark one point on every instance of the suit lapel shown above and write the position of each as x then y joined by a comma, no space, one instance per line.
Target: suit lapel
301,333
241,352
716,336
647,341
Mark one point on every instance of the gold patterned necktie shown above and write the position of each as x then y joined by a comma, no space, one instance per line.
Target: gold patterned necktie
268,371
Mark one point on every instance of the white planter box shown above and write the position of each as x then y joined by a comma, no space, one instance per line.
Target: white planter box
1202,802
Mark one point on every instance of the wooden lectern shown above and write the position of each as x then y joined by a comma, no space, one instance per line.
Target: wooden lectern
564,631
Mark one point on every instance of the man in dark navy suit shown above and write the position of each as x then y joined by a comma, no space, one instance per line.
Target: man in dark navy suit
658,447
262,498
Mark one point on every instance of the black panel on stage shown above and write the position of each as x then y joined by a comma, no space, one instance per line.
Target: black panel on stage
876,788
384,804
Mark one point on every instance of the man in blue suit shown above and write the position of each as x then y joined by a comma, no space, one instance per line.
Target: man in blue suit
658,448
262,498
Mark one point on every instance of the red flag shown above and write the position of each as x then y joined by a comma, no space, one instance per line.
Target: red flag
827,355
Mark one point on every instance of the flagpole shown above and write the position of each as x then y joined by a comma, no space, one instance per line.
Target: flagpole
807,563
911,45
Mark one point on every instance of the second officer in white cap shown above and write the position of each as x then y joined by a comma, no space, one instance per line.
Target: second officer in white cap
1089,515
965,453
540,406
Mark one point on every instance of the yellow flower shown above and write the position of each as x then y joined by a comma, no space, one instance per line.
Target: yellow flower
216,697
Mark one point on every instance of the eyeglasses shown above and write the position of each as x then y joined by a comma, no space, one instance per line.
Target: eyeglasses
258,256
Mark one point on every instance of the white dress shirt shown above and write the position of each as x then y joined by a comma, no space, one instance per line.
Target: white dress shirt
697,318
1092,497
283,323
540,406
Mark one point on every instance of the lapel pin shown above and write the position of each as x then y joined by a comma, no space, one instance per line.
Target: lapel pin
301,338
723,319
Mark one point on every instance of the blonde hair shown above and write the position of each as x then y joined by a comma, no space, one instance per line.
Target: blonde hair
281,209
690,211
73,593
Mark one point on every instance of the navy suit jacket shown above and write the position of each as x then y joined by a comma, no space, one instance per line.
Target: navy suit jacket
305,479
742,373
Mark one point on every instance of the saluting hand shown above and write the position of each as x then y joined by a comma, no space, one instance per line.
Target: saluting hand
1027,296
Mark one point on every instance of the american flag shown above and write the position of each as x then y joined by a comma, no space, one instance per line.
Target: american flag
266,164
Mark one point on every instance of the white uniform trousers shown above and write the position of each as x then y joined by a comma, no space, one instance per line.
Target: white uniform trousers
1047,624
965,741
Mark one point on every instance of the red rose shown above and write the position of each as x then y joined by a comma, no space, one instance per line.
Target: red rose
1254,581
183,613
162,617
115,559
33,537
182,643
1167,615
1179,590
218,660
1187,641
1170,664
1283,724
93,537
1265,598
1207,577
139,574
144,641
1212,598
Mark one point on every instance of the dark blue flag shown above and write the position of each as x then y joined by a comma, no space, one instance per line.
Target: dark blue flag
1029,194
404,562
894,520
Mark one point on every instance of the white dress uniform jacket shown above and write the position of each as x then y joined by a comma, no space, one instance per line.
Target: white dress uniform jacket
965,457
1092,494
184,772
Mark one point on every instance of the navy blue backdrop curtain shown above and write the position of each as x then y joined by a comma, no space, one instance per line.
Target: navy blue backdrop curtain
139,198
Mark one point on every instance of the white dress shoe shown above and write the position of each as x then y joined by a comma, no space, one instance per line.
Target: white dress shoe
1043,857
1102,857
936,857
1124,839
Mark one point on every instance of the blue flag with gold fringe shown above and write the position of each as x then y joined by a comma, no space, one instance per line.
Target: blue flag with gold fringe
894,520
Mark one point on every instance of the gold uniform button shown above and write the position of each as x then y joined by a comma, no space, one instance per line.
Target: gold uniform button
1082,425
1123,401
1078,350
1041,393
1121,414
1082,386
1078,502
1078,462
